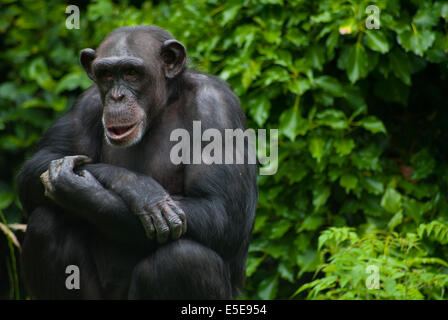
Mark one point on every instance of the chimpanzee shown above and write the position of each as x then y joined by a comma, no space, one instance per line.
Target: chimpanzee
102,194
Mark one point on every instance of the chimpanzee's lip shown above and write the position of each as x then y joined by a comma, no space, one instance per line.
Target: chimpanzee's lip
119,133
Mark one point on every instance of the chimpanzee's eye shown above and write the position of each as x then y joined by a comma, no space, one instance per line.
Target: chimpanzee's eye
107,75
130,75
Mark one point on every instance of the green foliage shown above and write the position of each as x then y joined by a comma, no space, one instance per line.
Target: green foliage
362,175
405,268
435,229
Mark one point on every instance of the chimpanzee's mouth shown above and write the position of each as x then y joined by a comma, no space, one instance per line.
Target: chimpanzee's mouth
121,132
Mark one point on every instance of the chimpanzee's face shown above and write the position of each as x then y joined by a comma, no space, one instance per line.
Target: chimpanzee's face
124,91
131,72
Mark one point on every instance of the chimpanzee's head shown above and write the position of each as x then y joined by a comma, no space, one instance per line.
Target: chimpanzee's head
132,68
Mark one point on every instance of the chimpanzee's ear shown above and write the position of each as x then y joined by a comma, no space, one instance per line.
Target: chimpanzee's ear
174,57
86,58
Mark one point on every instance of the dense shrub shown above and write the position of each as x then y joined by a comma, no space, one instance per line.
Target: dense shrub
362,176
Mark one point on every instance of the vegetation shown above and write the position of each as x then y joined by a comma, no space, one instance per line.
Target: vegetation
363,155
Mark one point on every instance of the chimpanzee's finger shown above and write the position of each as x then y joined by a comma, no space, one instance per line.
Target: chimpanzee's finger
70,162
162,229
45,179
89,179
181,214
148,225
173,220
80,160
54,169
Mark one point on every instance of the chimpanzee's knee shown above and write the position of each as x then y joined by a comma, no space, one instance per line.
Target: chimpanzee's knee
182,269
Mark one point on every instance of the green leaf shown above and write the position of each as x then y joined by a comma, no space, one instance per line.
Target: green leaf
230,14
357,63
426,17
324,16
331,43
316,147
414,209
38,71
330,85
298,38
320,196
6,198
250,73
267,290
442,8
436,53
416,41
349,182
259,107
333,118
36,103
423,164
344,146
273,75
396,220
244,36
286,271
8,90
391,200
312,223
279,229
70,81
299,86
377,41
99,9
315,56
373,186
252,265
292,123
373,124
284,58
307,261
356,100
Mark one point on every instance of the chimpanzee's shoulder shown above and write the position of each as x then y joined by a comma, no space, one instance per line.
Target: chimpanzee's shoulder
215,101
88,100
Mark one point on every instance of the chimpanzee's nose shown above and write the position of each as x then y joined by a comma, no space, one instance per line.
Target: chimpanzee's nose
117,95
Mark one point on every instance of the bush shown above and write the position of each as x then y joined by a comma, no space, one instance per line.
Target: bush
362,175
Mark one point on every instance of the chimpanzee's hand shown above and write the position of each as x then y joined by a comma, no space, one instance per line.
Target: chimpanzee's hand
160,216
162,219
63,185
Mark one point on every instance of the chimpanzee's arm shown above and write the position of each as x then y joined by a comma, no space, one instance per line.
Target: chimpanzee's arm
219,202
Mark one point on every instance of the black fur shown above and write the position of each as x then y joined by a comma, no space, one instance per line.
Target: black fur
96,229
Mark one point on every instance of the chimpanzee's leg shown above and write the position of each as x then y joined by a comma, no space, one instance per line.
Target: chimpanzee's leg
181,269
51,244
